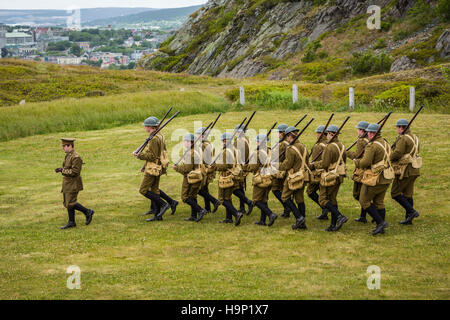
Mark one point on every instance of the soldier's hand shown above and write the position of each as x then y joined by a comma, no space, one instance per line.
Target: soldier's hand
142,169
312,166
135,154
58,170
174,166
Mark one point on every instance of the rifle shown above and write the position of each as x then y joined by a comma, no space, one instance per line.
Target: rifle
193,145
228,143
298,136
139,150
363,136
376,133
281,140
407,127
207,133
265,139
331,140
250,119
323,132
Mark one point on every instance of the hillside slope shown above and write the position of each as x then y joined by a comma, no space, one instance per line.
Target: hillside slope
314,40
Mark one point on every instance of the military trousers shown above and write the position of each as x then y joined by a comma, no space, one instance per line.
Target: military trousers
329,194
374,194
69,199
403,187
260,194
189,190
149,183
296,194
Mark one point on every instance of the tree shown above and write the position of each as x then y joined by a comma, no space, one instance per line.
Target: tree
75,49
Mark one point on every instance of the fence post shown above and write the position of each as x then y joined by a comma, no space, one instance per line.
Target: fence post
242,95
412,98
351,98
294,93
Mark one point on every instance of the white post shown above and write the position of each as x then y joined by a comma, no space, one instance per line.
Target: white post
351,98
242,95
294,93
412,98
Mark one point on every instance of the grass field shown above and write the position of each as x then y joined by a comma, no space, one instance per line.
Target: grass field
122,256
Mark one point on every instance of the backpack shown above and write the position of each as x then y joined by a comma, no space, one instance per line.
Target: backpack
329,178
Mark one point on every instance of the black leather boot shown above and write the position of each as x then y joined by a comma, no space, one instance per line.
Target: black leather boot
71,223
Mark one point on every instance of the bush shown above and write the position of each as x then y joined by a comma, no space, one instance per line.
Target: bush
310,53
443,10
369,63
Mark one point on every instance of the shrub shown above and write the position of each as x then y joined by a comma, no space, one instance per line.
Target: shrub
369,63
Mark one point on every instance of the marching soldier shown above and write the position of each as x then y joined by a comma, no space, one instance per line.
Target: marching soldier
375,184
262,180
333,162
313,185
72,183
406,163
358,172
207,153
152,154
226,181
192,178
280,176
296,161
242,149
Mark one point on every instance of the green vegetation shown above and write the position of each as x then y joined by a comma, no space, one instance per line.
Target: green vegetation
369,63
123,257
101,112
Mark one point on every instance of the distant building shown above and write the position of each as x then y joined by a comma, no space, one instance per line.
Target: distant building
18,38
2,37
84,45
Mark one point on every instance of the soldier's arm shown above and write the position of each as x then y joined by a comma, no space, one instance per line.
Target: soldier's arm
224,166
326,160
288,162
360,145
148,153
187,166
367,159
400,149
75,169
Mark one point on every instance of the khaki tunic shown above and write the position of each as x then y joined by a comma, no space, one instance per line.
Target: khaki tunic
189,190
330,156
405,186
293,161
360,145
207,155
260,194
222,166
242,151
152,153
316,149
373,154
277,184
72,182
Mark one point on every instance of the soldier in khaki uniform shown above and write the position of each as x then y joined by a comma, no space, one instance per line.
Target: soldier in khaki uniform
279,178
189,190
406,163
296,160
207,154
375,184
149,188
333,154
72,183
313,185
225,163
242,150
357,173
261,192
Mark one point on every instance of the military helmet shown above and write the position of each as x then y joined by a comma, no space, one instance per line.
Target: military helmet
151,122
226,136
290,129
373,127
333,128
320,128
282,127
188,137
261,137
402,123
200,130
362,125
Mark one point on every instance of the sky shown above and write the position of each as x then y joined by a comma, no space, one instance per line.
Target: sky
65,4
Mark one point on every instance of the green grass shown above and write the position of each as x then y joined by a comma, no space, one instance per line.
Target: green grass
101,112
122,256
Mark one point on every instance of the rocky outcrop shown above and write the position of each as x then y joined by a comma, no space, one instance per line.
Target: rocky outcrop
402,63
243,38
443,44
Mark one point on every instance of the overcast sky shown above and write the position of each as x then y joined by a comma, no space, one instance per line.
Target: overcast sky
64,4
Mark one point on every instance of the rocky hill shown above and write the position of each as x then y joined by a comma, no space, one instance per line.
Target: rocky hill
313,40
